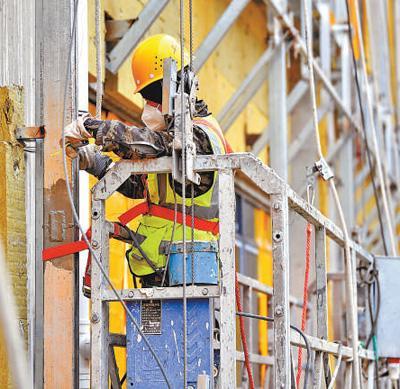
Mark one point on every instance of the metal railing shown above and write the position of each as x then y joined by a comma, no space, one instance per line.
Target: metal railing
261,179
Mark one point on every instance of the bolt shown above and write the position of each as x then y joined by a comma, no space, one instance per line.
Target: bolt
279,310
277,205
95,244
130,294
278,236
205,291
95,318
95,214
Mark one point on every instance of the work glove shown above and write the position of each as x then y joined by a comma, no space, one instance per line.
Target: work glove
92,160
76,135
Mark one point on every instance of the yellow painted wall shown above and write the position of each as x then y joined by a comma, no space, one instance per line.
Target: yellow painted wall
263,232
12,209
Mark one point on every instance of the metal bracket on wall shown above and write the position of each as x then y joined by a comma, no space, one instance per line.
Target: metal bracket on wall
57,226
26,133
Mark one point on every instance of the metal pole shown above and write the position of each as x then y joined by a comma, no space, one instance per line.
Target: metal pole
322,294
124,47
293,99
227,208
83,335
215,36
278,103
280,254
99,317
379,168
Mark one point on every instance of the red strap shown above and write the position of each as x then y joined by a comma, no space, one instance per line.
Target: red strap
63,249
199,224
125,218
134,212
66,249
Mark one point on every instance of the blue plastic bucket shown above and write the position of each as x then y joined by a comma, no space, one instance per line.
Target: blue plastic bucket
205,263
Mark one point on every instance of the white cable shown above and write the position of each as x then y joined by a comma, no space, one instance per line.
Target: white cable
348,260
336,371
99,62
16,351
373,133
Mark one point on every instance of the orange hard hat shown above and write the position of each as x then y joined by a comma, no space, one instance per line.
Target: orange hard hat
147,60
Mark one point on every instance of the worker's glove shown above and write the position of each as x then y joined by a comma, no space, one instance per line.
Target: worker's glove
76,135
92,160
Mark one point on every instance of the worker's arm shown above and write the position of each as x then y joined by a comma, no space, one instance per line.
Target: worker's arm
132,142
129,142
97,164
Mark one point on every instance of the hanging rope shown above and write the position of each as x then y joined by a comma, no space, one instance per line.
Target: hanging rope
243,334
305,299
99,62
349,266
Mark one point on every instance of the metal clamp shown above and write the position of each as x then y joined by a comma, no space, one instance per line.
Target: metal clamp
26,133
324,169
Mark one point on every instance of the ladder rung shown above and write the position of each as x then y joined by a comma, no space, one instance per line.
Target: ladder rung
164,293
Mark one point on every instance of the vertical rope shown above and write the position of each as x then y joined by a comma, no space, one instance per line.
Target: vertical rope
182,113
305,299
243,334
191,33
349,266
99,62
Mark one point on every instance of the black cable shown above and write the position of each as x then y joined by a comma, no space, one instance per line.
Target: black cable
374,320
123,378
301,333
367,149
372,279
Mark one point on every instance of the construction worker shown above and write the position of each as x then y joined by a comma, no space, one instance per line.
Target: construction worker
147,257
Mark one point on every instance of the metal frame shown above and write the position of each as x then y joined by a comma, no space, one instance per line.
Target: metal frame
124,47
215,36
283,198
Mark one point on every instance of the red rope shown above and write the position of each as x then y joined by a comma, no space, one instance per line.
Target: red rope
243,334
305,298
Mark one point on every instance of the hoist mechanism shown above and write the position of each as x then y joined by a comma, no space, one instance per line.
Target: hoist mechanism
183,125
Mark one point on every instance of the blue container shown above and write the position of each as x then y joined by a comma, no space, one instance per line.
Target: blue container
205,263
162,323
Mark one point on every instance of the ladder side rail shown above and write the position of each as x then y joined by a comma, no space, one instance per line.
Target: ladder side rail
321,300
99,317
226,198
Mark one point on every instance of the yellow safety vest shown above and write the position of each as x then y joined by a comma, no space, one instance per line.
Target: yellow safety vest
155,232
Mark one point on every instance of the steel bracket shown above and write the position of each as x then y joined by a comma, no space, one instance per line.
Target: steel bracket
324,169
34,132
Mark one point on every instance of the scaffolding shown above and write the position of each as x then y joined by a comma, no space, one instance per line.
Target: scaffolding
45,47
264,180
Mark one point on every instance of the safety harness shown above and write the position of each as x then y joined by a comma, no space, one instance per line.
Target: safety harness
144,208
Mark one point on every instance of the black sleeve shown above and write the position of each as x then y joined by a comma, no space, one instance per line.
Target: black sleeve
133,187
